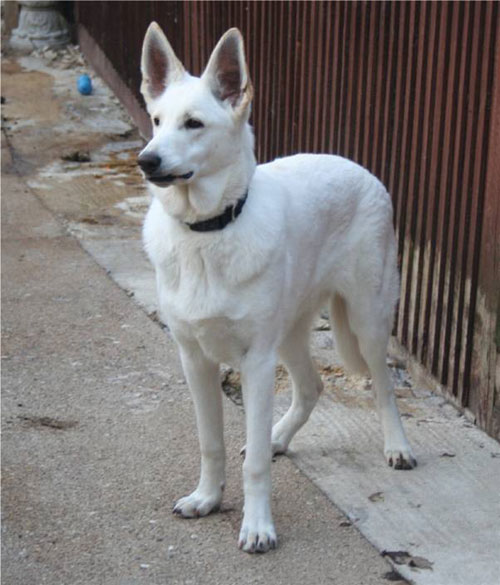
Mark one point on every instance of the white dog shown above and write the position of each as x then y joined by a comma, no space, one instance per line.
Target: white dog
245,256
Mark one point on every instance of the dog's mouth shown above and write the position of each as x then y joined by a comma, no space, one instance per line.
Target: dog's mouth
165,180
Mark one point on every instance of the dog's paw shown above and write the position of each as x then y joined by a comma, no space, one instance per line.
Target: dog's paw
197,504
400,458
257,537
278,448
279,443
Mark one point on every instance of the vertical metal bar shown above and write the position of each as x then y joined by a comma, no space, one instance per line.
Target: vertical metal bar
361,65
384,78
403,69
440,349
458,172
337,74
281,88
290,53
317,107
410,273
369,91
391,103
483,334
404,151
345,121
426,196
439,161
304,75
328,89
474,207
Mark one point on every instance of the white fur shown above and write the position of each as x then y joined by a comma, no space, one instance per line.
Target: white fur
315,229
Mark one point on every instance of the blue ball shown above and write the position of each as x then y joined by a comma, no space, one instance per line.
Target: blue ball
84,85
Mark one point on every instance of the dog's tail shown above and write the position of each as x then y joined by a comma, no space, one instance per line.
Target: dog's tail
346,340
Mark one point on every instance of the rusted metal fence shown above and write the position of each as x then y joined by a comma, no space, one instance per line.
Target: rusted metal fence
409,90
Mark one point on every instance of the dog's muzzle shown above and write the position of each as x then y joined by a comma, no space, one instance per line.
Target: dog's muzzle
150,165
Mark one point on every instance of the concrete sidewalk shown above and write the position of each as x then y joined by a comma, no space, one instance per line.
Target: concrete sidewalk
98,430
99,436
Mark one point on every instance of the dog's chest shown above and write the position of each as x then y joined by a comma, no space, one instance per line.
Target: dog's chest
221,329
221,340
199,302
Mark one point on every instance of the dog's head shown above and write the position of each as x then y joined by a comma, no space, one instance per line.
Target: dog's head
198,123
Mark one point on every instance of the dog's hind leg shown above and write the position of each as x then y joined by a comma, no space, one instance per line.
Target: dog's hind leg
373,335
306,384
203,379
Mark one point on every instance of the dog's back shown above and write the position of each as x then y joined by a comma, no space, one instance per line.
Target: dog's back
337,217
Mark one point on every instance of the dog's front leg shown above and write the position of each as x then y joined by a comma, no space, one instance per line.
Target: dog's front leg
203,379
257,530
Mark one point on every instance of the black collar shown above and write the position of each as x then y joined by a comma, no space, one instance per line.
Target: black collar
220,221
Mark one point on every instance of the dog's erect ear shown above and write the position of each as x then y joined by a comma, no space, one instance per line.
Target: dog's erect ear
159,65
227,72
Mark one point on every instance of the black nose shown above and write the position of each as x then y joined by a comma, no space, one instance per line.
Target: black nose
149,162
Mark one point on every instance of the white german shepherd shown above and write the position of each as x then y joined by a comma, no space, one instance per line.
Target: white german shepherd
245,256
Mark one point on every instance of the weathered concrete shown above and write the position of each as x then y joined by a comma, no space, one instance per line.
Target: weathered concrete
98,429
444,515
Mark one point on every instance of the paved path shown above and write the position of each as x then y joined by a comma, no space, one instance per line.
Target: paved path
89,502
98,431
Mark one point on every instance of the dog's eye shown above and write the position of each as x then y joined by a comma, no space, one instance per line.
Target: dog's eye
192,124
156,121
